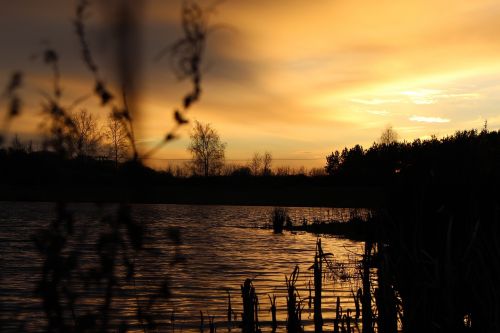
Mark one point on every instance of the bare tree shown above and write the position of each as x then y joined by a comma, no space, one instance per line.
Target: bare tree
389,135
283,171
256,164
117,138
16,144
207,150
267,159
300,171
87,136
317,172
178,170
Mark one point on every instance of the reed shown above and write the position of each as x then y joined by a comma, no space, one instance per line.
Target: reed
366,298
256,311
384,295
274,323
293,304
338,316
249,320
279,216
348,320
355,229
318,279
357,299
119,237
310,298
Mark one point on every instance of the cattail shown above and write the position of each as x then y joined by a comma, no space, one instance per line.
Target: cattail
293,308
348,320
318,274
273,312
357,299
338,314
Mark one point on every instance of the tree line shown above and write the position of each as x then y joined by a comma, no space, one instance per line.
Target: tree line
104,147
462,156
465,156
89,139
208,159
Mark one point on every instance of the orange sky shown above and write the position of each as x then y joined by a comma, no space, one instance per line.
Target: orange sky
296,78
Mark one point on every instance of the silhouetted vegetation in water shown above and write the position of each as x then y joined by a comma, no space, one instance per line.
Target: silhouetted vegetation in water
250,316
318,289
272,309
279,218
441,254
437,236
294,304
355,229
437,250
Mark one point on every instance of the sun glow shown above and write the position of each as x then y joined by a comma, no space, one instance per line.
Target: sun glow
314,77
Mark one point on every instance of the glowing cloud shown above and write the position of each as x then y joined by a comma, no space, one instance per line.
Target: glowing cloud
319,75
378,112
374,101
422,119
422,96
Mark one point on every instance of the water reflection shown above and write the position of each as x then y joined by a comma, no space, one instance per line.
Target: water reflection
219,247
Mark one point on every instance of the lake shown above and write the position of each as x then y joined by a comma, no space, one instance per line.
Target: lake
220,246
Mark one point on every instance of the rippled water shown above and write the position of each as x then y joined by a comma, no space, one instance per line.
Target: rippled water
221,247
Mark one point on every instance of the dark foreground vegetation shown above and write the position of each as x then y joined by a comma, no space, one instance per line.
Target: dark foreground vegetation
436,239
355,229
438,234
433,240
434,245
356,226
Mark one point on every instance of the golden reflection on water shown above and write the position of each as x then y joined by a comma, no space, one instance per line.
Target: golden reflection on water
220,247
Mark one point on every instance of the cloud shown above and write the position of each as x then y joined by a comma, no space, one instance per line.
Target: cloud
422,119
422,96
375,101
297,76
432,96
378,112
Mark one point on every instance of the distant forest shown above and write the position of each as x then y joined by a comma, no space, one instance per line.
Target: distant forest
467,157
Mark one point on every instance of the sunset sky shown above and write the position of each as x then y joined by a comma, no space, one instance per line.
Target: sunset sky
296,78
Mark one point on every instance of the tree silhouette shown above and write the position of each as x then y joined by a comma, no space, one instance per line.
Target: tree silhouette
207,150
87,136
256,164
117,137
267,159
66,281
389,135
333,163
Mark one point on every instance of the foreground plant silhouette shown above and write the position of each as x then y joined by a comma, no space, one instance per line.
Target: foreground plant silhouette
68,279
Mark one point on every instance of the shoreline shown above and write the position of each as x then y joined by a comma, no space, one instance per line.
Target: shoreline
286,196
